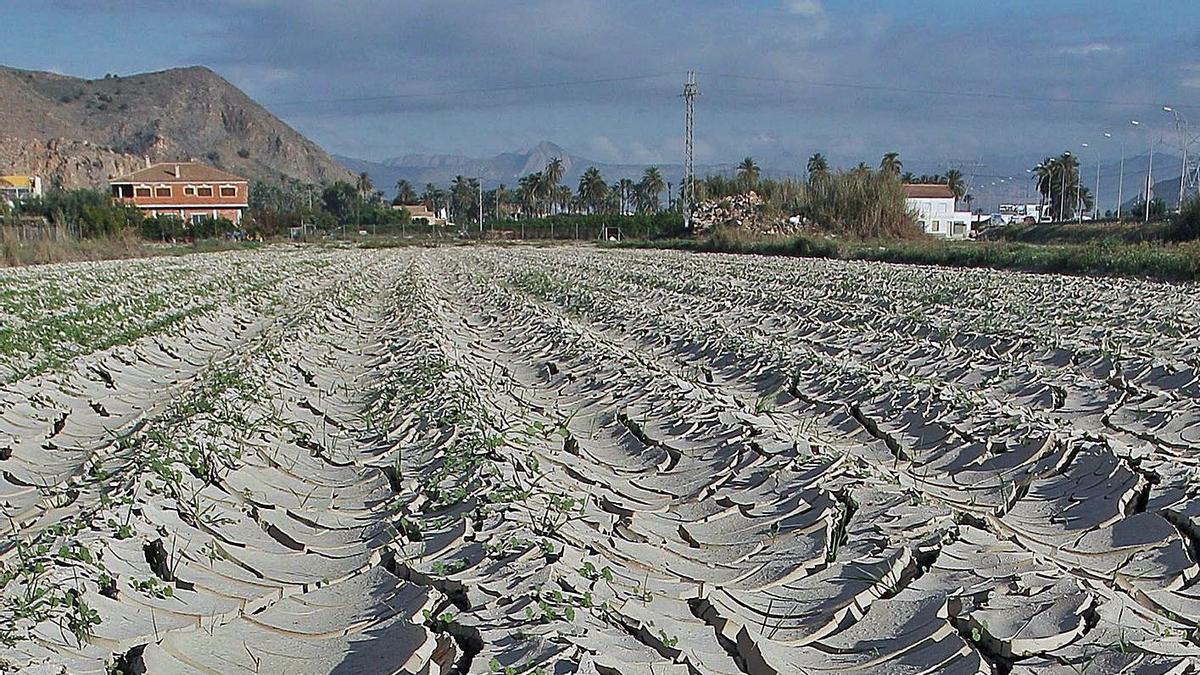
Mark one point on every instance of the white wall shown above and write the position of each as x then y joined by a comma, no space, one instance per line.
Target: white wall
939,219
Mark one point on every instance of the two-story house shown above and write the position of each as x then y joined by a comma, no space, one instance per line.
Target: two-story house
189,191
934,204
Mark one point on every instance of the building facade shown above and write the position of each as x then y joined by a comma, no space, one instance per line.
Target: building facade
16,188
190,191
1024,213
937,214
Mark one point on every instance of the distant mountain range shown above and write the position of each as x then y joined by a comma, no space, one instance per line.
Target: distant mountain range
506,168
76,133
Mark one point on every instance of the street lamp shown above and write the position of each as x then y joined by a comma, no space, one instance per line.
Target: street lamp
1135,123
1062,189
1036,176
1121,180
1096,196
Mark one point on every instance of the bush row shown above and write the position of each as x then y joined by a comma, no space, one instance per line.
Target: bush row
1175,262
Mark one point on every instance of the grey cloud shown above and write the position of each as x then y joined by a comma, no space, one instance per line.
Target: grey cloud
289,53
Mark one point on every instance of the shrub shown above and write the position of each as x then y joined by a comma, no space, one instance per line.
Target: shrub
89,213
1185,225
857,203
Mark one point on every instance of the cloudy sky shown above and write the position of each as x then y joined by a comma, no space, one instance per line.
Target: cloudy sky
941,81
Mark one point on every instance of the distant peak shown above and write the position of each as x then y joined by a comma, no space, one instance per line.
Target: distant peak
547,148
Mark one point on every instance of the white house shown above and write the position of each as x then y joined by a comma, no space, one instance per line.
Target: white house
934,205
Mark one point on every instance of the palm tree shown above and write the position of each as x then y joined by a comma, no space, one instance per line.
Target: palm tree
554,170
562,197
464,196
1058,185
404,192
748,172
968,199
954,180
891,164
551,176
652,185
592,189
907,177
530,188
365,187
627,189
500,197
363,184
818,166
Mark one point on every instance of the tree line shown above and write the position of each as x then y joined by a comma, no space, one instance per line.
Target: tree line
873,199
539,194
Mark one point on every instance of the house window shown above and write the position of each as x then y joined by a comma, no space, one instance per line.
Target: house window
204,191
198,218
189,190
162,191
228,191
141,192
937,226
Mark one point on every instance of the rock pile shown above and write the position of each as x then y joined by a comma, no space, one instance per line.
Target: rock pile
744,211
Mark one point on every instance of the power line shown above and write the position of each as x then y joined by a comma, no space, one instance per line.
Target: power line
456,92
940,92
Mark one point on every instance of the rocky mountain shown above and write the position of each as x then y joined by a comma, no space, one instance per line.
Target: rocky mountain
506,168
77,132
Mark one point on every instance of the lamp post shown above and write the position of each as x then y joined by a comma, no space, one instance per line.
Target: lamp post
1096,196
1109,136
1062,191
1149,182
1134,123
1041,197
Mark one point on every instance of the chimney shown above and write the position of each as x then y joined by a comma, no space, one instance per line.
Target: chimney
147,159
177,171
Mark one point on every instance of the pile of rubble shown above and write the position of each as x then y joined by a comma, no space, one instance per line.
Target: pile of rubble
744,211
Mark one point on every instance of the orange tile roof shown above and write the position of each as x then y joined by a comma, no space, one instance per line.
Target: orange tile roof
189,172
928,191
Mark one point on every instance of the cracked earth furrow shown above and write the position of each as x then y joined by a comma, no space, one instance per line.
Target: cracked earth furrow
569,460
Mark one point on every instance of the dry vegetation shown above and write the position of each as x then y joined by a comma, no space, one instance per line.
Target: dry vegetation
562,460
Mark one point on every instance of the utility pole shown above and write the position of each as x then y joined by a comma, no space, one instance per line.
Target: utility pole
480,186
690,91
1121,181
1182,130
1062,193
1149,183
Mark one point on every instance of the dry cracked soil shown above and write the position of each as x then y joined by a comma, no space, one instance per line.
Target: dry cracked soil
574,460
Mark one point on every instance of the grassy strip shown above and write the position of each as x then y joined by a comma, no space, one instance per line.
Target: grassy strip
1171,262
15,253
1084,233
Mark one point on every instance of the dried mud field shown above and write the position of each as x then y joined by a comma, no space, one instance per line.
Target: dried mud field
572,460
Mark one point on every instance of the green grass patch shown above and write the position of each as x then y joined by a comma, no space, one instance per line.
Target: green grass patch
1170,262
